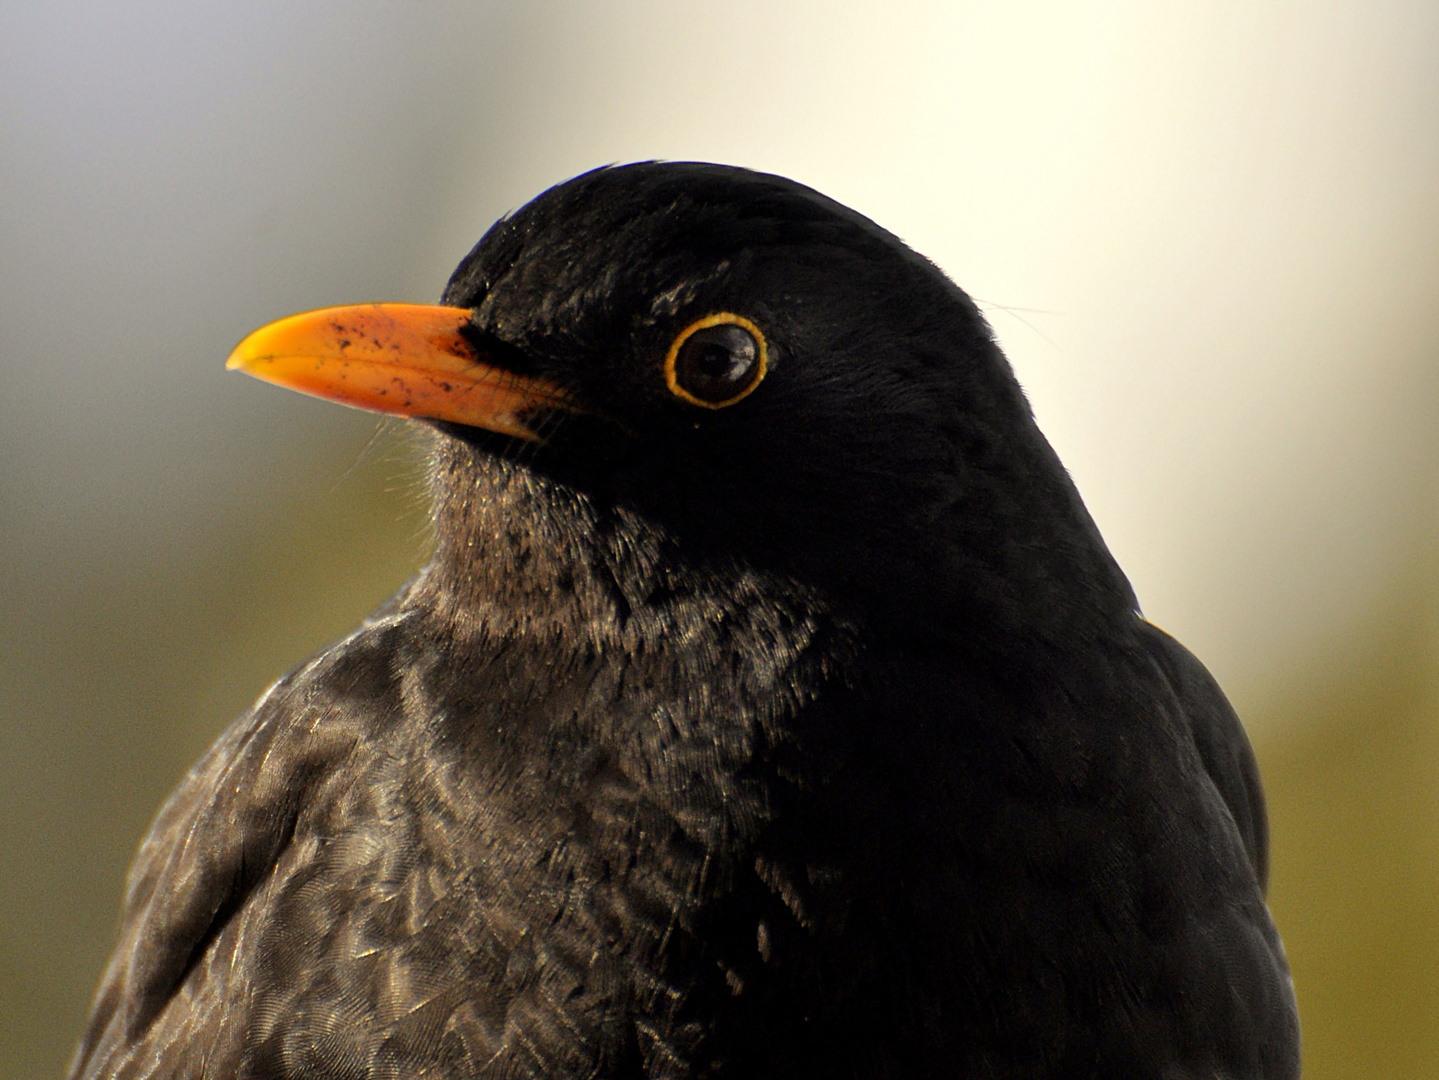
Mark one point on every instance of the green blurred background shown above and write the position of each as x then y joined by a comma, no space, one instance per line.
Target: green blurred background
1206,233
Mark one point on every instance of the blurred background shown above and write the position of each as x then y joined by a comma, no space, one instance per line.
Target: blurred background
1207,234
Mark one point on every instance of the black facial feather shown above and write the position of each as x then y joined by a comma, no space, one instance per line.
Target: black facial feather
813,735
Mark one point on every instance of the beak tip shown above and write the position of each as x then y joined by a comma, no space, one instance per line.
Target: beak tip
243,356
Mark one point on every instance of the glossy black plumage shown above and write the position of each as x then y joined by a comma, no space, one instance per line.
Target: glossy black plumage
813,736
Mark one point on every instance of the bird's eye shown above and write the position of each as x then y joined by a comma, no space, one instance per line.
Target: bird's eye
716,360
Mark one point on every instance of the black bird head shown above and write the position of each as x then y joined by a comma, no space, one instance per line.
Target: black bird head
704,364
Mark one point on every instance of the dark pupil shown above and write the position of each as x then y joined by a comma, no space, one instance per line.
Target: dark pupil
717,363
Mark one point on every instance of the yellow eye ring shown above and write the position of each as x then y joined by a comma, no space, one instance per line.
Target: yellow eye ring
715,364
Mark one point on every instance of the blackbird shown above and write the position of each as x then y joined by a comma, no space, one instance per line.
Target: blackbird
770,707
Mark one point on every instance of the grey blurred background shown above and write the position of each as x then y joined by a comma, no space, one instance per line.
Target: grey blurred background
1206,233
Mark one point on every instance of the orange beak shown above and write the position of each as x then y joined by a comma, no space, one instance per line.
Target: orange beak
403,359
